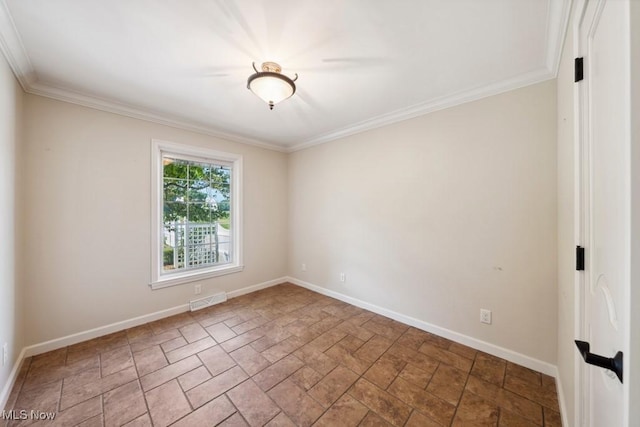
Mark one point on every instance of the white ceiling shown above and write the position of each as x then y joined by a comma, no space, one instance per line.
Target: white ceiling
361,63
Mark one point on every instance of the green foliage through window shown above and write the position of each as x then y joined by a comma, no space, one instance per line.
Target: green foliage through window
196,213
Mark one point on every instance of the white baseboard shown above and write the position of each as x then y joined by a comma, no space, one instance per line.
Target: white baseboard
57,343
6,391
504,353
561,401
495,350
257,287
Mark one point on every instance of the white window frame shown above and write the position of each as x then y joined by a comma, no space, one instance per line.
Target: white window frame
159,148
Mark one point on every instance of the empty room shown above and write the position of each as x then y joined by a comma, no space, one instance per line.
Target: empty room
338,213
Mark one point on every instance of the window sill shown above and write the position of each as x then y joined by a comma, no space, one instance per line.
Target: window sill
181,278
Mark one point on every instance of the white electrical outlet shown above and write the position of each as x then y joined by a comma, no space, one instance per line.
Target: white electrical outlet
5,353
343,277
198,289
304,267
485,316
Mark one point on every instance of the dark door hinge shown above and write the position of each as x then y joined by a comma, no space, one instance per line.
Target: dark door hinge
579,258
578,69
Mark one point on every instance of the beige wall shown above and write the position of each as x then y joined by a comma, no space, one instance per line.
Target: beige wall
11,318
566,230
87,218
439,216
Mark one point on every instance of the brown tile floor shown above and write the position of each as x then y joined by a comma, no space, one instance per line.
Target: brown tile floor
280,357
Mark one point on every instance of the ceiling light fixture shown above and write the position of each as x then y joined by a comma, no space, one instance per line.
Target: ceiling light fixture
271,86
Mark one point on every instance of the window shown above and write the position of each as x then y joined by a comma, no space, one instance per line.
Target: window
196,213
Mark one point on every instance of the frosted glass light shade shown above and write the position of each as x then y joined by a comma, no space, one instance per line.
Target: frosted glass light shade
271,86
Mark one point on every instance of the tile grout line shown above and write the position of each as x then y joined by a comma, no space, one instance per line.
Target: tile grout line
144,396
360,376
464,388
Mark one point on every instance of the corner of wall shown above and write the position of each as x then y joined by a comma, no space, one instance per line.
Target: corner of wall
11,295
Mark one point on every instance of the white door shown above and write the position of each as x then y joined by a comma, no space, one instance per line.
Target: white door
602,36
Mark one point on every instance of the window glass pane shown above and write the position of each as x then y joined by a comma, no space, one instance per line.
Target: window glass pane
200,255
174,211
175,190
222,193
223,212
220,176
199,191
174,168
201,234
173,244
197,212
199,171
223,190
223,242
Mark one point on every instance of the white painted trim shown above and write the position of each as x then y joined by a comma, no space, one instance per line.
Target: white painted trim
196,276
49,90
66,95
13,49
259,286
561,401
6,391
585,24
54,344
504,353
436,104
579,221
158,149
57,343
11,46
557,25
430,106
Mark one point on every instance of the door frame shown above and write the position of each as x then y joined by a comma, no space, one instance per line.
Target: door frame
634,344
579,301
582,197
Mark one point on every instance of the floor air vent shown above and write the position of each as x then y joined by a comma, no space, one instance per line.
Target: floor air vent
198,304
